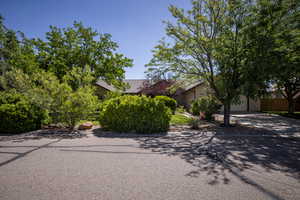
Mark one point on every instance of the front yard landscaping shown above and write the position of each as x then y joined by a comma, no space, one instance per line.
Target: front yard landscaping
77,123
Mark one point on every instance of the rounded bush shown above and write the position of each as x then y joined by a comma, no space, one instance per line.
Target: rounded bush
207,105
138,114
169,102
18,115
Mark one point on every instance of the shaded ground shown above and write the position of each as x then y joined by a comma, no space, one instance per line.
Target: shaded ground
214,163
295,115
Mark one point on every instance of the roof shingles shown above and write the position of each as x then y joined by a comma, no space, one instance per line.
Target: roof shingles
135,85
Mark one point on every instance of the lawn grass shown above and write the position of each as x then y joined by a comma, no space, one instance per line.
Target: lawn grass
295,115
95,123
179,119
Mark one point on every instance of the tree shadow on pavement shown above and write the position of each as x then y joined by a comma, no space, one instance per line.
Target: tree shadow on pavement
19,155
217,151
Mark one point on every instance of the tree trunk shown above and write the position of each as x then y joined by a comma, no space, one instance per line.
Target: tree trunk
248,104
291,103
227,114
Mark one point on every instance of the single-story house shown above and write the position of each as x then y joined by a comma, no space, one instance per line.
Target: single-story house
185,94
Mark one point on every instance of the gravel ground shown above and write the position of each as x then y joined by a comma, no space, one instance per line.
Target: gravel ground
182,164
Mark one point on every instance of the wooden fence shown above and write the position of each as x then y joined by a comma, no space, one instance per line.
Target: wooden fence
277,105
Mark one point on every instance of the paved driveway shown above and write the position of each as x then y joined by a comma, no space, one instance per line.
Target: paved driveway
179,165
266,123
270,122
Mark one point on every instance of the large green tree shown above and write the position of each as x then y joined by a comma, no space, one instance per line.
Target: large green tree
81,48
207,43
276,36
77,54
57,74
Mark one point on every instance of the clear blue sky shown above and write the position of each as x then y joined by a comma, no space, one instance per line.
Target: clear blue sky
135,24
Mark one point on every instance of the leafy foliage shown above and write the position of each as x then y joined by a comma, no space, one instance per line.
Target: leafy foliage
275,37
57,74
45,91
180,109
110,95
168,101
138,114
16,79
79,105
78,47
207,105
78,78
18,115
15,51
66,105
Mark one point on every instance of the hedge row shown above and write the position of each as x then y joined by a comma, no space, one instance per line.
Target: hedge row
138,114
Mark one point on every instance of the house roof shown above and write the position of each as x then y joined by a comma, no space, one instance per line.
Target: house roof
105,85
192,85
135,85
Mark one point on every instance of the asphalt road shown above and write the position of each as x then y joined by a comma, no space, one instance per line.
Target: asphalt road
173,166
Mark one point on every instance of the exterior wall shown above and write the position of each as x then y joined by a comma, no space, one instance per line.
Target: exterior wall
202,90
194,93
254,105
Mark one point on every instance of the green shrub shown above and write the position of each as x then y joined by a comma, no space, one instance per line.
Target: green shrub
138,114
169,102
79,105
18,115
207,105
112,94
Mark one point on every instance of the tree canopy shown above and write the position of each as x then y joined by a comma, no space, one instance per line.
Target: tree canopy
78,46
75,48
237,47
277,34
